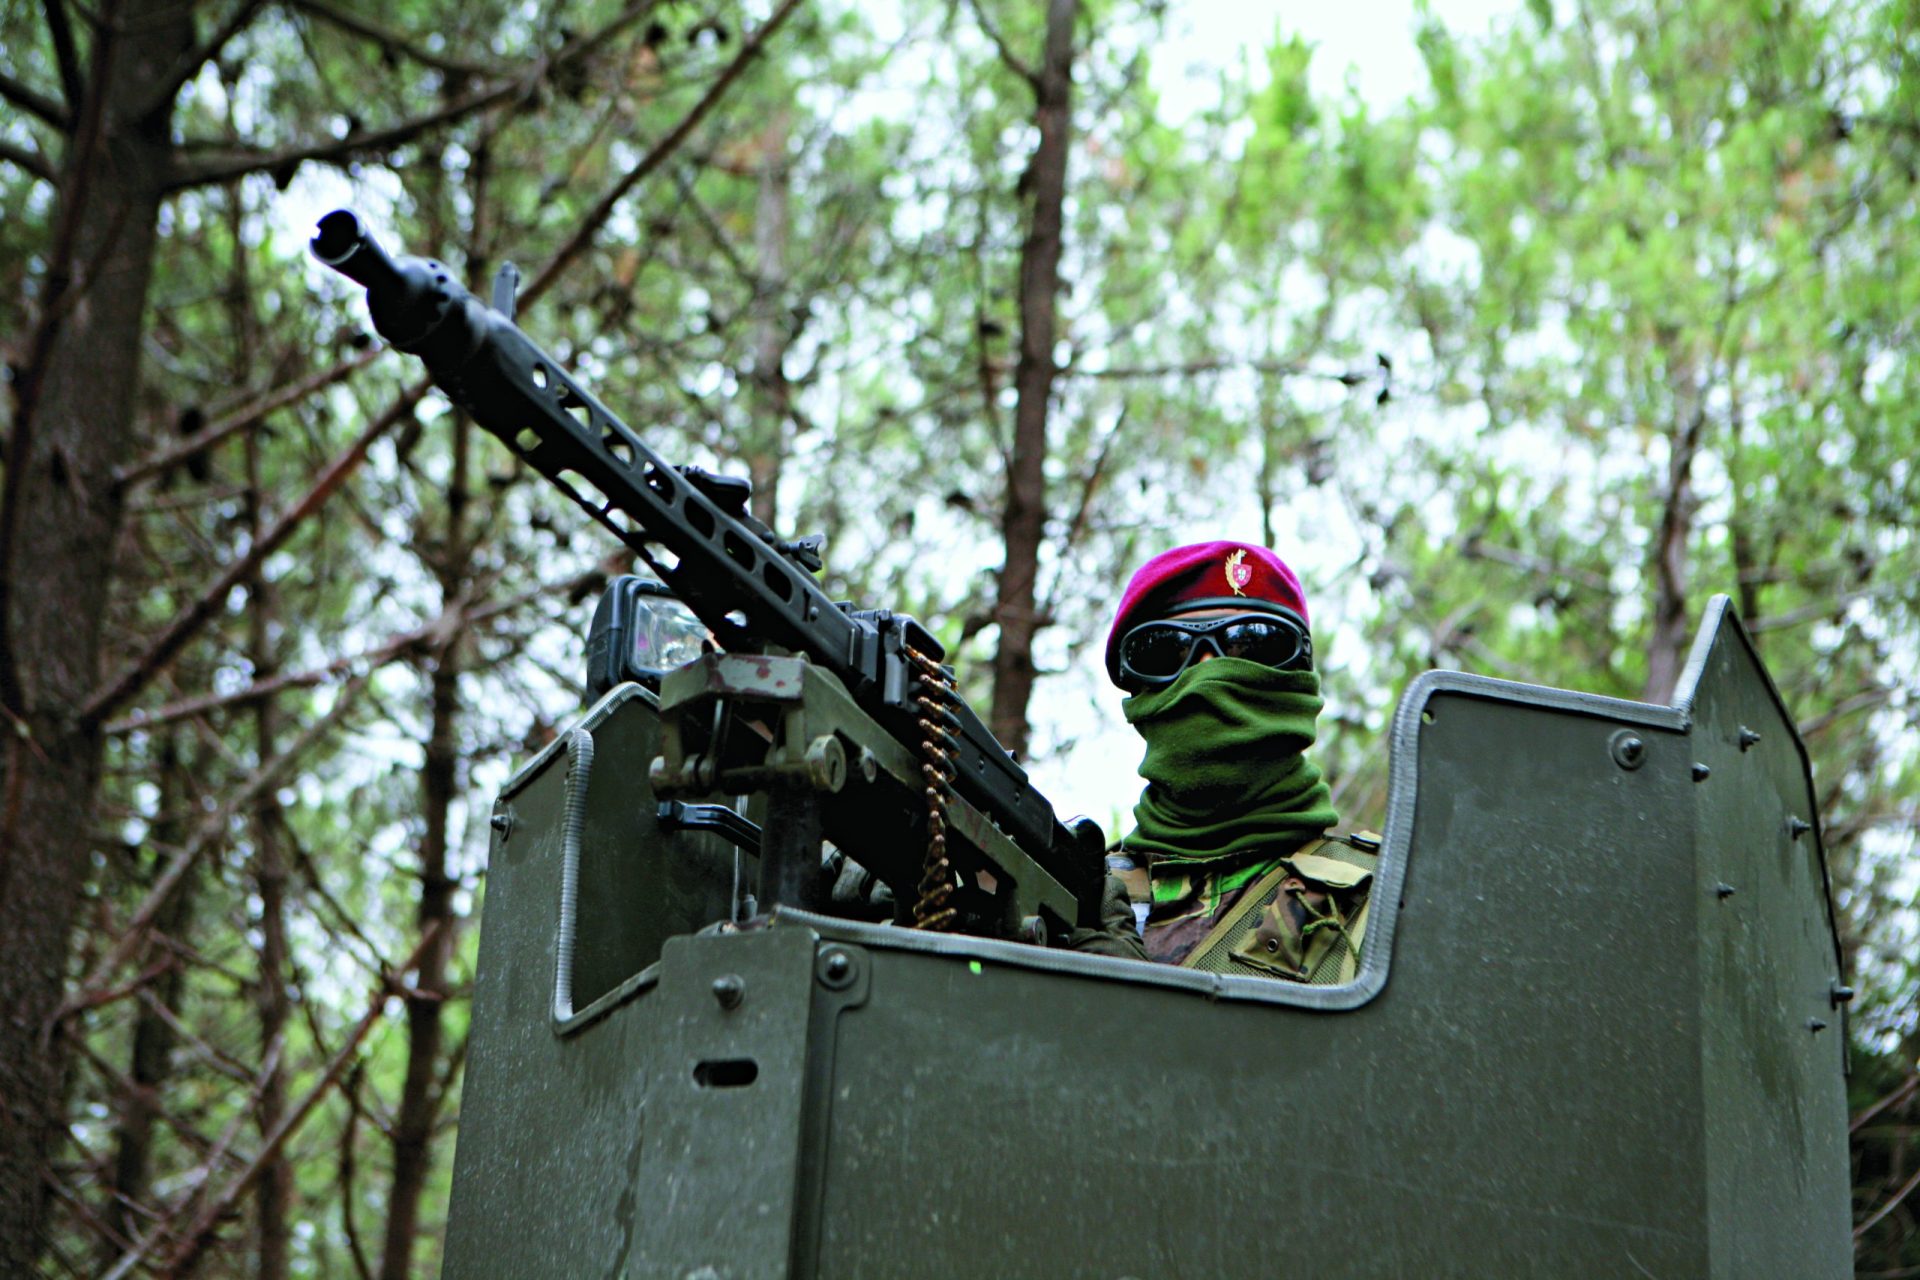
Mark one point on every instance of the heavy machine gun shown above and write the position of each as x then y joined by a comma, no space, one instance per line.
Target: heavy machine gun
844,718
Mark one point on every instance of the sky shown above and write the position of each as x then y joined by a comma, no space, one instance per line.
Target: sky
1368,43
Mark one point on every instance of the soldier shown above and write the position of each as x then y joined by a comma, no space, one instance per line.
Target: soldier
1230,864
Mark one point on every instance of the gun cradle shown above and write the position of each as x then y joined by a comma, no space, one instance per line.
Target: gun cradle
740,723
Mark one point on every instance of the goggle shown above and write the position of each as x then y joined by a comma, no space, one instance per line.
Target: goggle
1154,653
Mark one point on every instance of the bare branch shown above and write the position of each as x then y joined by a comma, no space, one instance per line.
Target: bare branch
241,419
1195,368
1014,62
1893,1202
1899,1095
387,38
349,1134
226,166
1077,526
1819,609
220,1062
1865,700
31,100
590,226
367,660
67,54
27,160
208,835
201,1233
223,166
190,63
128,684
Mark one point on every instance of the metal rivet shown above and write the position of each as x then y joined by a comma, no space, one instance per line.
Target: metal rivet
1838,995
729,989
1816,1026
1723,889
1747,737
836,969
1700,772
503,823
1629,749
1798,826
1273,945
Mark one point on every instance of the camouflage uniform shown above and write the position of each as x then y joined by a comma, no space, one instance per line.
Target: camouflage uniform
1307,927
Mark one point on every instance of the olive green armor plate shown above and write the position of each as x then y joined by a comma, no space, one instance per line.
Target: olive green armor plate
1595,1033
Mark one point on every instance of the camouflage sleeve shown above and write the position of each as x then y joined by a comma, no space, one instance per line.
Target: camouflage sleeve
1117,935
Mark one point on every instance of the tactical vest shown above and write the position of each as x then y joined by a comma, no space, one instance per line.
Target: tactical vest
1303,921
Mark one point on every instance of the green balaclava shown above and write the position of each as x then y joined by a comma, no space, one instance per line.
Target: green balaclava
1226,777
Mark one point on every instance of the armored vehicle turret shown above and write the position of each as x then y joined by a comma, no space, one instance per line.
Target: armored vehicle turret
1596,1029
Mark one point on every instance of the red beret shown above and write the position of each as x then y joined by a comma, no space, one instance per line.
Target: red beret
1203,576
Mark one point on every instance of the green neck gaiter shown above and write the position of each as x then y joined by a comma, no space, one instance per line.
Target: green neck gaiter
1224,769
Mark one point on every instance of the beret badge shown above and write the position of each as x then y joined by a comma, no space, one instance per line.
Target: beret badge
1239,572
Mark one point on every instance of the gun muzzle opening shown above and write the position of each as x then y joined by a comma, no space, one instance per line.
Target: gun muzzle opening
344,244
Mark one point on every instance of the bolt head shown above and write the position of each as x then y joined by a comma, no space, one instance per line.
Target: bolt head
729,989
1628,749
836,969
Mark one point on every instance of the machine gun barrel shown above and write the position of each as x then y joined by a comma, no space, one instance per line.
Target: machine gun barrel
724,564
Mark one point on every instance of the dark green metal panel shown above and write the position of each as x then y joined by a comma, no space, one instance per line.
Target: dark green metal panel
1521,1098
1566,1052
1773,1052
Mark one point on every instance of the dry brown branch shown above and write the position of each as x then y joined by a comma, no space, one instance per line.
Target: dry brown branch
201,1233
32,101
190,63
364,662
223,1063
247,416
66,53
27,160
387,38
1893,1202
224,166
1893,1099
132,987
134,677
1014,62
208,835
1865,700
201,1177
590,225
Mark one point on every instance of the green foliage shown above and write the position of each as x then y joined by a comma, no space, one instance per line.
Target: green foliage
1591,250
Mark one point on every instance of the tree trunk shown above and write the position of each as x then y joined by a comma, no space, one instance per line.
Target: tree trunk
58,523
426,1032
153,1038
1023,522
1667,646
274,1194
